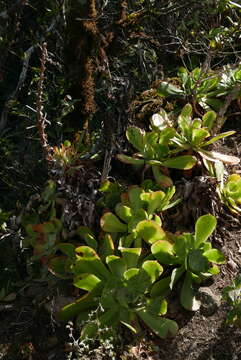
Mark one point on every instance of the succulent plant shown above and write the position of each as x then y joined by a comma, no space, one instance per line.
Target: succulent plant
117,291
192,257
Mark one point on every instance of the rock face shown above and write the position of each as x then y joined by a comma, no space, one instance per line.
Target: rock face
209,301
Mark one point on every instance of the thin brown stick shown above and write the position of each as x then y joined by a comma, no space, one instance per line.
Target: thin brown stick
41,117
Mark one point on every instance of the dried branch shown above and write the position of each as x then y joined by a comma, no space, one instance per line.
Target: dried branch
41,117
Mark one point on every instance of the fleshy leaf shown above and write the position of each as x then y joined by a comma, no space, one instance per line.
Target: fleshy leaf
187,298
160,287
134,194
136,137
67,249
176,274
163,252
197,262
110,223
160,326
86,302
60,266
186,110
184,162
86,234
165,89
131,256
124,212
198,135
208,119
110,317
153,269
204,227
86,282
153,200
218,137
159,121
130,160
214,256
160,178
88,262
117,265
130,273
150,231
106,246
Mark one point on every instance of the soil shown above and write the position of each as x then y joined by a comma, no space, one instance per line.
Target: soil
29,329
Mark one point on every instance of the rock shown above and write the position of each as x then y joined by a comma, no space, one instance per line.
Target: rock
209,301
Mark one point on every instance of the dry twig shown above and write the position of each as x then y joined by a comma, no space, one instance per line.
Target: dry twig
41,117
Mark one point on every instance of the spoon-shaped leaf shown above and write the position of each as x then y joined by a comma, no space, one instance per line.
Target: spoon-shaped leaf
136,137
88,262
150,231
204,227
184,162
165,89
110,223
208,119
163,252
124,212
131,256
86,282
160,326
130,160
153,269
215,256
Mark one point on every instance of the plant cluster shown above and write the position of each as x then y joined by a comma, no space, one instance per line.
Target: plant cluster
160,147
206,89
126,273
122,271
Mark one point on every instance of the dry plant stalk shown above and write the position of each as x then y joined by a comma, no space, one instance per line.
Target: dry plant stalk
41,117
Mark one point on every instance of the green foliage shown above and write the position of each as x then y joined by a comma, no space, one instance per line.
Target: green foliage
230,193
159,148
194,134
206,89
117,290
111,194
192,256
232,295
137,217
154,149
